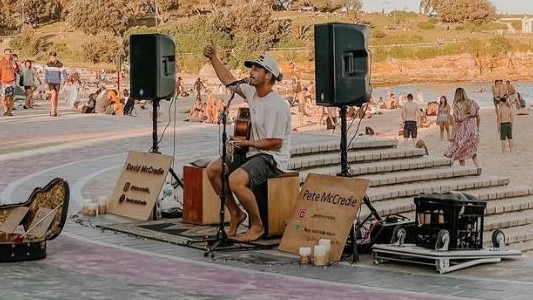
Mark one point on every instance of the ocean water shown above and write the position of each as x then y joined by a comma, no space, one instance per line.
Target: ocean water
432,91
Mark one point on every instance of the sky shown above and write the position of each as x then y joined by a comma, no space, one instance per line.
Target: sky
503,6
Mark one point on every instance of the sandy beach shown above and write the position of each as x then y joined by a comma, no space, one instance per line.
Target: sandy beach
517,165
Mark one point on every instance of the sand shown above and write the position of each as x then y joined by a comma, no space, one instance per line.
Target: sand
518,165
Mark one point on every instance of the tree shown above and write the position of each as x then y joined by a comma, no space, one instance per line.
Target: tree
458,11
247,29
102,47
95,16
26,44
478,49
10,16
326,5
429,7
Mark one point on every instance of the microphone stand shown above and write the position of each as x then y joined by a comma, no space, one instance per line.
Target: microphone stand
221,238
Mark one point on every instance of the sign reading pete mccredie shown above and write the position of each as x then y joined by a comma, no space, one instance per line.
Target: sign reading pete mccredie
326,209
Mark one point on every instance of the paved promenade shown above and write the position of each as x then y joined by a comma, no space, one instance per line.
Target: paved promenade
85,262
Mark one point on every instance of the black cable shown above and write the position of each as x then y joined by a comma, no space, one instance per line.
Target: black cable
169,121
358,124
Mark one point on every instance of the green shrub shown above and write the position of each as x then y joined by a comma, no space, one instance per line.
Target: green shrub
377,34
425,25
27,45
102,48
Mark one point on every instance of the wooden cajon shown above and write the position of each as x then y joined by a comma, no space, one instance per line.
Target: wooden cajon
277,199
201,205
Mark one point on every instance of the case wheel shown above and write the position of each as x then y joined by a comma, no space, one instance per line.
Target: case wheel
498,239
443,240
398,236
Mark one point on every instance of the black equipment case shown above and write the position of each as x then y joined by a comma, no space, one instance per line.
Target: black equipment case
26,227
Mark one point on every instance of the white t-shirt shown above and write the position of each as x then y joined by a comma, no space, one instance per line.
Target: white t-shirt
271,118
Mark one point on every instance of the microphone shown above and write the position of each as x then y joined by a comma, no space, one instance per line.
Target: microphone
238,82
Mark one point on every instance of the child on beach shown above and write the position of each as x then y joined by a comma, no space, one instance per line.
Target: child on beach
505,124
444,117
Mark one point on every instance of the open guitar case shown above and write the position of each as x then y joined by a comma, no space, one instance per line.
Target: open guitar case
26,227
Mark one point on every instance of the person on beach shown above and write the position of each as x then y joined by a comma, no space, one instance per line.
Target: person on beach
197,112
444,117
497,92
8,80
269,143
72,91
465,138
198,87
510,94
300,100
29,78
505,124
54,75
409,119
211,108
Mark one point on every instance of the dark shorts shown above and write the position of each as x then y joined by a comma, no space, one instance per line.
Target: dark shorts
410,129
27,87
259,168
506,131
54,87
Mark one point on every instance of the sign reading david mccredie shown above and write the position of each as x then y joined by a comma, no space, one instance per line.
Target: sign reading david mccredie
326,209
140,182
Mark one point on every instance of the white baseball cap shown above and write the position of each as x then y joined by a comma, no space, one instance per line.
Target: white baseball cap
268,63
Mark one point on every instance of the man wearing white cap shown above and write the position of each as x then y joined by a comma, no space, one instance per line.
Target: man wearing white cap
269,142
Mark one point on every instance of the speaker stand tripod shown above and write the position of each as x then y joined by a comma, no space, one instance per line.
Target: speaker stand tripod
155,149
345,173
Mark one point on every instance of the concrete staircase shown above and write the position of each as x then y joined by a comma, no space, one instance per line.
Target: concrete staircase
398,174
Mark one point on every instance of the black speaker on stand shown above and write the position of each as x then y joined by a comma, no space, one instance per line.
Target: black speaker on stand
342,74
152,66
153,77
342,79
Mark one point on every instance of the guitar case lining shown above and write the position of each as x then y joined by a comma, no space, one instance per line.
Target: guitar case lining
21,247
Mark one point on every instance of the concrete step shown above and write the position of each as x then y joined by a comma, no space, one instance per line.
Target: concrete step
507,220
420,175
518,237
506,205
412,189
380,167
320,159
495,207
525,246
326,144
501,192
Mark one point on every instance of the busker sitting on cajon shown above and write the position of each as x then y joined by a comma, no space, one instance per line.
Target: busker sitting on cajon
269,143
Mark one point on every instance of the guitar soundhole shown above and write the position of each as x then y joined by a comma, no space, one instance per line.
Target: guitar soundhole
243,113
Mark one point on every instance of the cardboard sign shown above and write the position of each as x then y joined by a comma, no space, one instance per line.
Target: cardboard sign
13,219
41,222
326,209
140,182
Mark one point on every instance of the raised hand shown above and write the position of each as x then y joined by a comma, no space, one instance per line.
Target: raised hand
210,50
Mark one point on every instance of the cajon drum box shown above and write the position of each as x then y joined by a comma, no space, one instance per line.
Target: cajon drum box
277,199
201,205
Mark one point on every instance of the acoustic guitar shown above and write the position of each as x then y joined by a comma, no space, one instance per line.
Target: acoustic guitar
243,124
242,129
